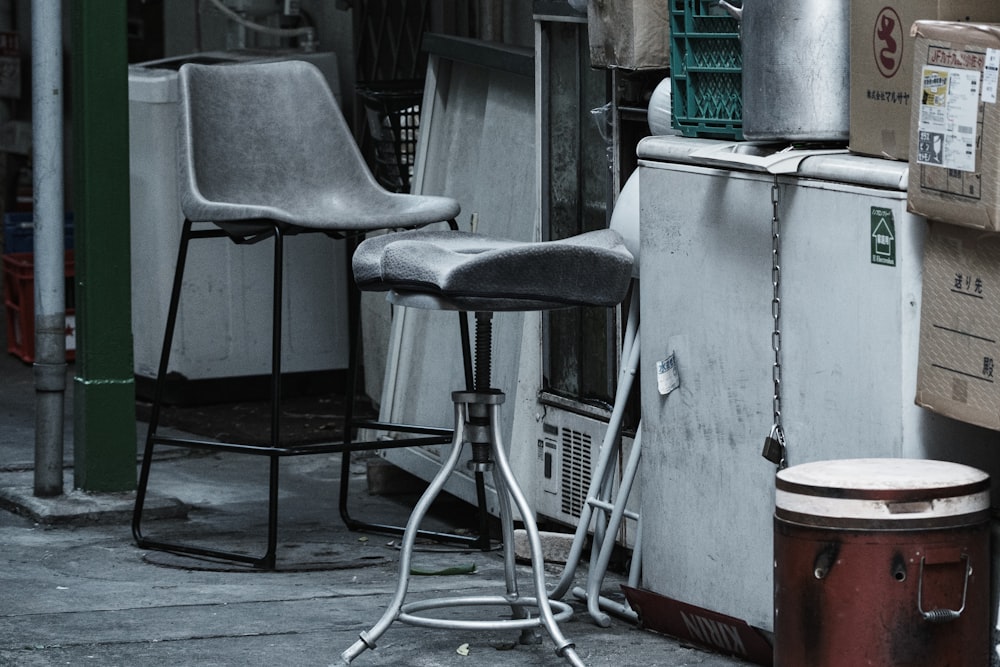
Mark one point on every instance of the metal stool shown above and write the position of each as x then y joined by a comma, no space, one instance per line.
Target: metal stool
468,272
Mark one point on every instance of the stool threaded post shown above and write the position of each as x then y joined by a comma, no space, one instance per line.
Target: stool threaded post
484,350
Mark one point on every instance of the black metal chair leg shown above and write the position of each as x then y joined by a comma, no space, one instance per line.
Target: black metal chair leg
268,559
274,450
154,415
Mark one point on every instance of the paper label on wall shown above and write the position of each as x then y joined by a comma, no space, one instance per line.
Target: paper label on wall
949,108
667,378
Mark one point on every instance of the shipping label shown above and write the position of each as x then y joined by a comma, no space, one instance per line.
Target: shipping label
949,108
991,75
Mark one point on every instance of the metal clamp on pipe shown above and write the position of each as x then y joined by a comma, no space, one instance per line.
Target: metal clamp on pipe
50,377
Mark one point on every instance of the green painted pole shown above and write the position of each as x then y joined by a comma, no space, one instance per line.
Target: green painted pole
104,438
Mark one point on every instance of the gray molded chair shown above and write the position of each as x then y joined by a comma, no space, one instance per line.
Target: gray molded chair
264,153
468,272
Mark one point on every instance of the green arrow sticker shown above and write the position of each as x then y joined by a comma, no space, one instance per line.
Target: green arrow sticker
883,237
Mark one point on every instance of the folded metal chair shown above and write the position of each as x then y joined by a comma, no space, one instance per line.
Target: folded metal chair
265,153
604,510
467,272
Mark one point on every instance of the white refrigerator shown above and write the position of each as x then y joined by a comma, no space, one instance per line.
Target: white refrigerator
850,288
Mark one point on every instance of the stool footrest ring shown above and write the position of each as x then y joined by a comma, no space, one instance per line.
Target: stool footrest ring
561,612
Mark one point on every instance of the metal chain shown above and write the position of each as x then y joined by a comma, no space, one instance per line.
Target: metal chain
777,431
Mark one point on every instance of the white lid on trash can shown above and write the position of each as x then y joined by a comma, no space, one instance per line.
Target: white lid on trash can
882,492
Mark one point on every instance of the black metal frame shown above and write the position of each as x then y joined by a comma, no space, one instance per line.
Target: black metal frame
274,450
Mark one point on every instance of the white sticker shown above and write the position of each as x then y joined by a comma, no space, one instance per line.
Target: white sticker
667,378
991,72
949,111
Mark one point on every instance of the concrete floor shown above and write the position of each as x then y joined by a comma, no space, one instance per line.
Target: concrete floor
76,590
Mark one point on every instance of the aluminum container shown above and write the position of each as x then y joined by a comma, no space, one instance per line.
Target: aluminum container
796,69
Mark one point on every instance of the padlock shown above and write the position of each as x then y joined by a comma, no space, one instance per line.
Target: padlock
774,447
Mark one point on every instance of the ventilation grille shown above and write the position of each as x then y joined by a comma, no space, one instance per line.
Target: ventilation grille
575,483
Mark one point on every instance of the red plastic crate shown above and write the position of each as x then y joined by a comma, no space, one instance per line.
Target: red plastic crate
19,300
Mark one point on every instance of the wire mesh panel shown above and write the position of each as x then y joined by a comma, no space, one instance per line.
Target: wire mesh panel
387,37
390,66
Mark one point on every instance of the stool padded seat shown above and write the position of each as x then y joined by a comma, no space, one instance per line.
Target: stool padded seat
480,273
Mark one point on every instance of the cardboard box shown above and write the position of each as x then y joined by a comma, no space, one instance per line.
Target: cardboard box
882,66
958,371
630,34
954,173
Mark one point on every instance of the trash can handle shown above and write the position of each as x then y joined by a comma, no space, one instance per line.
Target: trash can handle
942,615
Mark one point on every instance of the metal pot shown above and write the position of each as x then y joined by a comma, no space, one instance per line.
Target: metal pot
795,68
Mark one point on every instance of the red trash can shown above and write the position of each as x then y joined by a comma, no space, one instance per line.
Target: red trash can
882,562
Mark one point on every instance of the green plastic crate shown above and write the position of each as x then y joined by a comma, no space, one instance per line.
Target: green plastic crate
706,70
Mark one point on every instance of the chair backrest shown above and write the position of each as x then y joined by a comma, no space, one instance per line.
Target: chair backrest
261,134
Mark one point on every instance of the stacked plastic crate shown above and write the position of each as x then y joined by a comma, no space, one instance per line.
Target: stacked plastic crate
393,114
706,70
19,285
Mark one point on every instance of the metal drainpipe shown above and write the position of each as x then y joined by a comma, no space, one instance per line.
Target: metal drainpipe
50,293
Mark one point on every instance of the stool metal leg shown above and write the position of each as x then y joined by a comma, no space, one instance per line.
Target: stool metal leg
507,490
368,639
564,647
528,635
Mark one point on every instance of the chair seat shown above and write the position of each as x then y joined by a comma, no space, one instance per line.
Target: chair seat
480,273
326,211
292,160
